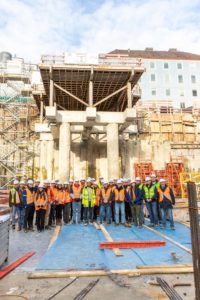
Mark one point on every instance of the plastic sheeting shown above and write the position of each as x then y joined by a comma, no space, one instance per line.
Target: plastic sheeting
77,248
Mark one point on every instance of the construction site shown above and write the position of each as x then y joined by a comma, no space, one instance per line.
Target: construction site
69,118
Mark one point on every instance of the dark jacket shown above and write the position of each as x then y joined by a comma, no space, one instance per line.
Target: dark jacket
139,196
12,196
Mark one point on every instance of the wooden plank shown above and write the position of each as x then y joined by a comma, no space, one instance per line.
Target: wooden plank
169,239
55,236
109,239
131,273
164,266
96,226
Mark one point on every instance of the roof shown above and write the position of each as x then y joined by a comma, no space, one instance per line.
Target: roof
75,79
151,54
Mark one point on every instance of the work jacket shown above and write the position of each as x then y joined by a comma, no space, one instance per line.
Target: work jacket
66,196
97,192
137,196
76,192
40,201
119,194
85,197
166,197
29,200
53,193
59,197
106,196
150,193
14,197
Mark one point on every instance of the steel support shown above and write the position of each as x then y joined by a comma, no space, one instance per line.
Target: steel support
195,234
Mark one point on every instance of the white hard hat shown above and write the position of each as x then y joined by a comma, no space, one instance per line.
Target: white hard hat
37,180
66,182
46,181
41,185
22,182
162,180
30,181
153,175
82,180
148,179
76,180
128,179
111,181
70,181
93,179
133,181
105,182
138,179
119,181
59,183
16,182
100,177
88,180
53,182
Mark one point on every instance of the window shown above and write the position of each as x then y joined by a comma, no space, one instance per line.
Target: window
194,93
166,66
153,77
152,65
179,66
180,78
153,92
181,93
182,105
193,79
168,92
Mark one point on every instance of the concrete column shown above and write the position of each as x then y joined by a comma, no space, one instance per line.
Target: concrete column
50,159
43,159
64,151
129,95
113,150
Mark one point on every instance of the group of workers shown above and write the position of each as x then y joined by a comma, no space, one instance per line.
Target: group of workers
123,201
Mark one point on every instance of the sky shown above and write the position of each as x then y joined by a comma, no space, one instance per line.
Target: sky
30,28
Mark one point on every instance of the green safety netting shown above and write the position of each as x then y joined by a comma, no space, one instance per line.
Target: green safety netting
17,99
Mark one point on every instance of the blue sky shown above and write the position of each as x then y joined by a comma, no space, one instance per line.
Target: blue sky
30,28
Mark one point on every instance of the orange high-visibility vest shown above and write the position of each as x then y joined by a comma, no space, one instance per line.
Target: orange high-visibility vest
98,190
66,196
77,191
119,195
166,193
59,197
133,194
106,195
40,203
53,191
29,196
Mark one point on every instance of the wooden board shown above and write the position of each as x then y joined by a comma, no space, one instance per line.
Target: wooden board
109,239
169,239
131,273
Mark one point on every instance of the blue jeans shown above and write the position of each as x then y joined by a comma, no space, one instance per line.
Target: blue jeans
76,208
153,212
20,214
119,206
14,212
167,212
105,209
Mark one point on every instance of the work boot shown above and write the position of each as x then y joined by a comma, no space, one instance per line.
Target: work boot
172,227
13,226
19,228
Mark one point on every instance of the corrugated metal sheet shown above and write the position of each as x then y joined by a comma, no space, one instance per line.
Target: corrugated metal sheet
4,237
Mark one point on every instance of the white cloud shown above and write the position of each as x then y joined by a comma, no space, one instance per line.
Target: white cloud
31,28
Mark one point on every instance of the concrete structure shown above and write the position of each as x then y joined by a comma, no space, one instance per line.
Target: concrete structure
88,108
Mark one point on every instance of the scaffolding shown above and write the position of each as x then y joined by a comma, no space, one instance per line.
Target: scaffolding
143,169
16,148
